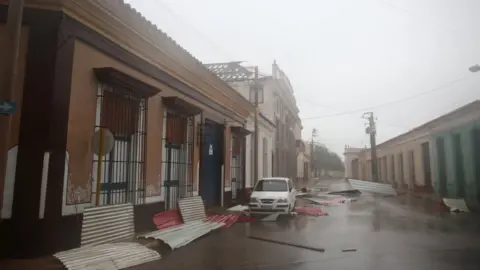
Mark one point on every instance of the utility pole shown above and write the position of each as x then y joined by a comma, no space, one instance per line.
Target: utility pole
312,150
8,78
372,131
256,86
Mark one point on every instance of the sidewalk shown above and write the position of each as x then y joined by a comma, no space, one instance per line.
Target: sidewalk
430,196
44,263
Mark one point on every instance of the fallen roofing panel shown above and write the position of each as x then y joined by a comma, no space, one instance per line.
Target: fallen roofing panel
107,223
107,256
182,235
229,220
456,205
238,208
167,219
192,209
372,187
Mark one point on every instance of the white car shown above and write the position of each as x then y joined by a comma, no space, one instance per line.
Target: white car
273,195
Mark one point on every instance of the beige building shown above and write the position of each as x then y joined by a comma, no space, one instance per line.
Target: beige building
110,110
442,155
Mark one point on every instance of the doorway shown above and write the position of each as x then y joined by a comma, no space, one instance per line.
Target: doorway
459,165
212,154
476,151
442,171
427,169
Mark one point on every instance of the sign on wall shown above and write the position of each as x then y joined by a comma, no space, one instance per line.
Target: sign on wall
210,150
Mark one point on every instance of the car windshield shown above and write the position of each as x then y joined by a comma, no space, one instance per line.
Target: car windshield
272,185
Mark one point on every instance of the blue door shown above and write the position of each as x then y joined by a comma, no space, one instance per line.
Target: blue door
212,163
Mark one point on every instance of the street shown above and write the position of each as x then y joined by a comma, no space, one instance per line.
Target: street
374,232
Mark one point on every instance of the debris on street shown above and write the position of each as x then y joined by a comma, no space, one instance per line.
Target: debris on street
107,256
229,220
372,187
301,194
287,244
245,219
167,219
181,235
330,200
238,208
346,192
456,205
195,224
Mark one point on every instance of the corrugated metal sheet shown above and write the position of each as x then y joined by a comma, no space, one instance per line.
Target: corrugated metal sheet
229,220
107,224
107,256
372,187
456,205
192,209
181,235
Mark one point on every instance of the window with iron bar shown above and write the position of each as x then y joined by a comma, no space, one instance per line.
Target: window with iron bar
121,167
177,157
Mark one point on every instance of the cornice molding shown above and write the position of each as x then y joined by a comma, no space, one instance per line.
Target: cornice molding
123,25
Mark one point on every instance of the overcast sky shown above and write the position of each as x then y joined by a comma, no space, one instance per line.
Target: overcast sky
397,57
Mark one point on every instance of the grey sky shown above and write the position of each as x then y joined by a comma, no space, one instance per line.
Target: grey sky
341,55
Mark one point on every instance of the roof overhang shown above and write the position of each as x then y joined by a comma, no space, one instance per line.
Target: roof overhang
240,130
119,23
181,106
118,79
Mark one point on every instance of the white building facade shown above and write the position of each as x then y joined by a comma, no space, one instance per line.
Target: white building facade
279,124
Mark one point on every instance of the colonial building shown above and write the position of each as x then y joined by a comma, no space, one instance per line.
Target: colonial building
352,168
287,121
442,155
277,104
241,79
110,110
303,160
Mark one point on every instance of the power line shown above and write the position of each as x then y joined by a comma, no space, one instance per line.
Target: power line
198,32
356,118
391,102
417,15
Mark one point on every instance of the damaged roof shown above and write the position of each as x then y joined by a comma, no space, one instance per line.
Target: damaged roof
230,72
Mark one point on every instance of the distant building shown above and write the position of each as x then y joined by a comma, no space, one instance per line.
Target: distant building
277,106
442,155
351,162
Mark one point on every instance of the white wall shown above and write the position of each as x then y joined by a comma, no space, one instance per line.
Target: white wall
267,108
269,135
248,161
300,164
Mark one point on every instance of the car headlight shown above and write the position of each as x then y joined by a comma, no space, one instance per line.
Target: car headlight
282,200
253,200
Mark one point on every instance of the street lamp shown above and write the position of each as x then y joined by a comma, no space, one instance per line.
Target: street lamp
474,68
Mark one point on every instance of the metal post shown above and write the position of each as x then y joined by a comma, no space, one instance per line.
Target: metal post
255,143
8,77
99,166
312,149
372,131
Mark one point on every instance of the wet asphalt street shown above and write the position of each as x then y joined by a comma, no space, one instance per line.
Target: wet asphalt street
380,232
